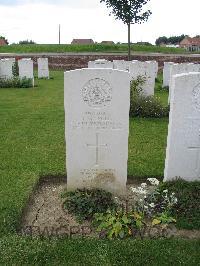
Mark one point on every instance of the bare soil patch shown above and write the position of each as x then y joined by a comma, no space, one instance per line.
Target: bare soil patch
45,216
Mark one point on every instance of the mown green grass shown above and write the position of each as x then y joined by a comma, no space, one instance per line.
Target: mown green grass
147,144
187,211
26,251
32,145
160,92
63,48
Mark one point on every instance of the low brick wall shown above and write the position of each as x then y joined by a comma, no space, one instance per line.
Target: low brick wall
76,61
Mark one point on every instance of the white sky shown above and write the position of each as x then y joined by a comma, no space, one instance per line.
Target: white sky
39,19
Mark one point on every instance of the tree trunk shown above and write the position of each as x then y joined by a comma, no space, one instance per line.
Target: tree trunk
129,42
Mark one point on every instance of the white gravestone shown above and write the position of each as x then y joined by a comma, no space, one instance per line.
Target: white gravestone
26,69
147,71
182,68
97,105
43,68
155,66
6,68
100,63
121,65
183,143
166,73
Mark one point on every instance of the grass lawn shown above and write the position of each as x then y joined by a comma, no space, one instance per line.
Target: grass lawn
160,93
64,48
32,145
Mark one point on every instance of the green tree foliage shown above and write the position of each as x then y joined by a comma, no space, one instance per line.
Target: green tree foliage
27,42
130,12
170,40
2,37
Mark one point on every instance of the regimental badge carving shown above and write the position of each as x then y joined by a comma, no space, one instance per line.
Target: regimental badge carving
97,93
196,97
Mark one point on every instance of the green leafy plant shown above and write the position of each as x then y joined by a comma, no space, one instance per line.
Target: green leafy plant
164,219
165,88
144,106
16,82
112,224
26,83
15,69
186,211
84,203
136,85
118,223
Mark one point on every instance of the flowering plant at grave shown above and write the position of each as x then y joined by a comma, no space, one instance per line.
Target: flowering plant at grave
153,203
150,207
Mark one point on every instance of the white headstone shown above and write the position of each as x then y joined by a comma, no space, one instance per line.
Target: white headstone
182,68
26,68
100,63
43,68
97,105
183,143
128,63
6,68
155,66
166,73
146,70
121,65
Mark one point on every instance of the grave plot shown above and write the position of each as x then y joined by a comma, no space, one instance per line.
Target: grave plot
46,216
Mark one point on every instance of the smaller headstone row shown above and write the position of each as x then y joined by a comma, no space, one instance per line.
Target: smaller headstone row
147,70
25,66
171,69
6,68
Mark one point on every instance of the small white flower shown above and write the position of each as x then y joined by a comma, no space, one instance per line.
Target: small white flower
142,191
152,205
143,185
134,190
165,191
153,181
175,200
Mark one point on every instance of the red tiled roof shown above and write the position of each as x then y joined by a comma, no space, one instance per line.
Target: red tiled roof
194,41
82,41
3,42
107,42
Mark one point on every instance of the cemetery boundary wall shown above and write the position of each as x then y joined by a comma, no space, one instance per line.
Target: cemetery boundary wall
80,60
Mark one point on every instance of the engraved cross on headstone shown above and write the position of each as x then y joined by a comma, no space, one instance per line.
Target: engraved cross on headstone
97,146
197,147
